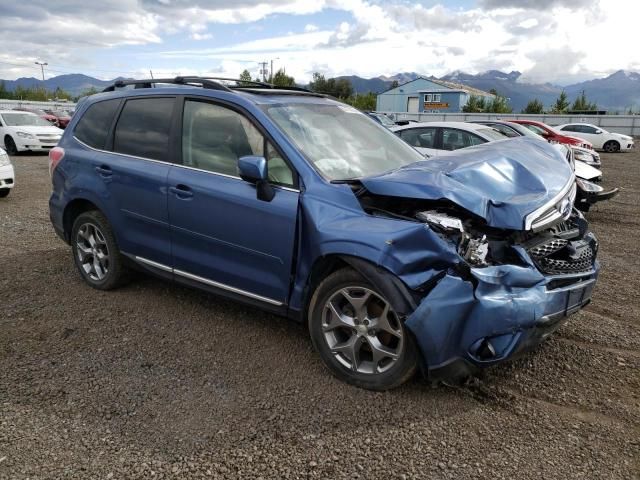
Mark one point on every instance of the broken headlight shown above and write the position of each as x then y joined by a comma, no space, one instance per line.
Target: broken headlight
474,249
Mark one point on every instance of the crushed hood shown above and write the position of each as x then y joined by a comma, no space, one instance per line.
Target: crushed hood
501,181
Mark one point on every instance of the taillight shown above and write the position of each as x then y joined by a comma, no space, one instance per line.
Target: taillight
55,155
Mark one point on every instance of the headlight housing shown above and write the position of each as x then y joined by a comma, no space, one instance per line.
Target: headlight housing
26,135
588,186
474,250
4,159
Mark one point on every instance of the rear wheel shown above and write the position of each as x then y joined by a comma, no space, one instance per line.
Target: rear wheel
96,253
4,192
611,146
358,334
10,146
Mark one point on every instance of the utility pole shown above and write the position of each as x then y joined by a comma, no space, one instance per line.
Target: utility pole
42,64
263,70
271,76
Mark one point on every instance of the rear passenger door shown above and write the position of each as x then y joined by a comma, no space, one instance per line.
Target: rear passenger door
222,235
135,171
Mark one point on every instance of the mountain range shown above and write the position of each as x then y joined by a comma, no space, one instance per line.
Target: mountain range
619,91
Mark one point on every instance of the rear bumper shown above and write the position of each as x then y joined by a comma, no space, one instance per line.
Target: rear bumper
461,327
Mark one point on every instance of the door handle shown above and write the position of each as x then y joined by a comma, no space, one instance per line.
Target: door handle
104,171
181,191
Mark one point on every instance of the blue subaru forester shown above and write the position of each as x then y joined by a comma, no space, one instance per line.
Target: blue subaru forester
303,206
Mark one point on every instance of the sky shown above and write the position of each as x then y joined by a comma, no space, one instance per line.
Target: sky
558,41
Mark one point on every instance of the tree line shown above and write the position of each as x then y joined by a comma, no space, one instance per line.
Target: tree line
580,104
40,94
339,88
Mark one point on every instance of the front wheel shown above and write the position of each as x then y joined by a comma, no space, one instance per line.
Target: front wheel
611,146
10,146
4,192
96,253
358,335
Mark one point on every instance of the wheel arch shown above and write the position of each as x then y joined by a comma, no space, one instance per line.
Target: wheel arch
73,209
388,284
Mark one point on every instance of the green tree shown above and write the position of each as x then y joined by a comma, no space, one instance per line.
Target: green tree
364,102
562,103
582,104
245,76
281,79
498,104
493,91
339,88
475,104
395,84
534,106
4,93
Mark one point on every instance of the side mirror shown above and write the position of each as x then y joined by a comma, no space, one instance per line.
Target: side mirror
253,169
598,132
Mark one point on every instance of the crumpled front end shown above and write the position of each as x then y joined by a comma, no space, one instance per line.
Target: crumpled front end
495,313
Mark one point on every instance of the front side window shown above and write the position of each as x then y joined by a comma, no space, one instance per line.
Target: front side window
339,141
94,125
454,139
588,129
215,137
143,128
506,131
419,137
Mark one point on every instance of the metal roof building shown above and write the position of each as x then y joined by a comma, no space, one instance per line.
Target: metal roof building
427,95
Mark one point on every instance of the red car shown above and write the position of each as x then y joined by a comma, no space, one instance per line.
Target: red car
62,117
553,136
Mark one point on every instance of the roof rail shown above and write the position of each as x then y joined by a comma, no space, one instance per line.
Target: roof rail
212,83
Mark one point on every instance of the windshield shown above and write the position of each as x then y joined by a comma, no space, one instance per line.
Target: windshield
492,133
384,120
525,132
24,120
341,142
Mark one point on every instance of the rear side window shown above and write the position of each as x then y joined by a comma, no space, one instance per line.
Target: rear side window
143,128
94,125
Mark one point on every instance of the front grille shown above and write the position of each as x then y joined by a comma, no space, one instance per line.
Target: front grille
560,256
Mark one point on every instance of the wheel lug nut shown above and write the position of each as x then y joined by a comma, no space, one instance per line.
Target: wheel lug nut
366,322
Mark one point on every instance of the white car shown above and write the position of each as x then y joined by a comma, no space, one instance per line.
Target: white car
25,131
7,175
599,137
442,138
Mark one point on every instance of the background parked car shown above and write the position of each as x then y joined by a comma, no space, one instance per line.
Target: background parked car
552,135
39,112
7,174
22,131
62,117
442,138
381,118
599,137
512,130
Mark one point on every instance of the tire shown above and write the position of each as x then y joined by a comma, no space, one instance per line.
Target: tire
354,344
95,252
10,146
4,192
611,146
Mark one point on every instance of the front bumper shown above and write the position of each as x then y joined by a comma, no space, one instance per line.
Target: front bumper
7,176
626,145
498,313
34,145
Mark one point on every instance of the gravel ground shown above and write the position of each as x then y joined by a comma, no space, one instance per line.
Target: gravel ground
158,381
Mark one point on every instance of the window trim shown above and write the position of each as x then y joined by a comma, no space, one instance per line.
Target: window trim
182,99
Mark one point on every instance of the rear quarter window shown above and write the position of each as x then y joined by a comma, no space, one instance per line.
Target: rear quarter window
143,128
93,128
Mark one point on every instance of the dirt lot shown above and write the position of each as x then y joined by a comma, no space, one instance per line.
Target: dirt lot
158,381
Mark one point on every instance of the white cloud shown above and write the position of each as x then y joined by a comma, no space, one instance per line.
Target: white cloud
564,41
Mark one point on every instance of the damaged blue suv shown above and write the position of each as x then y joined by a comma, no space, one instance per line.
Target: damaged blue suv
303,206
